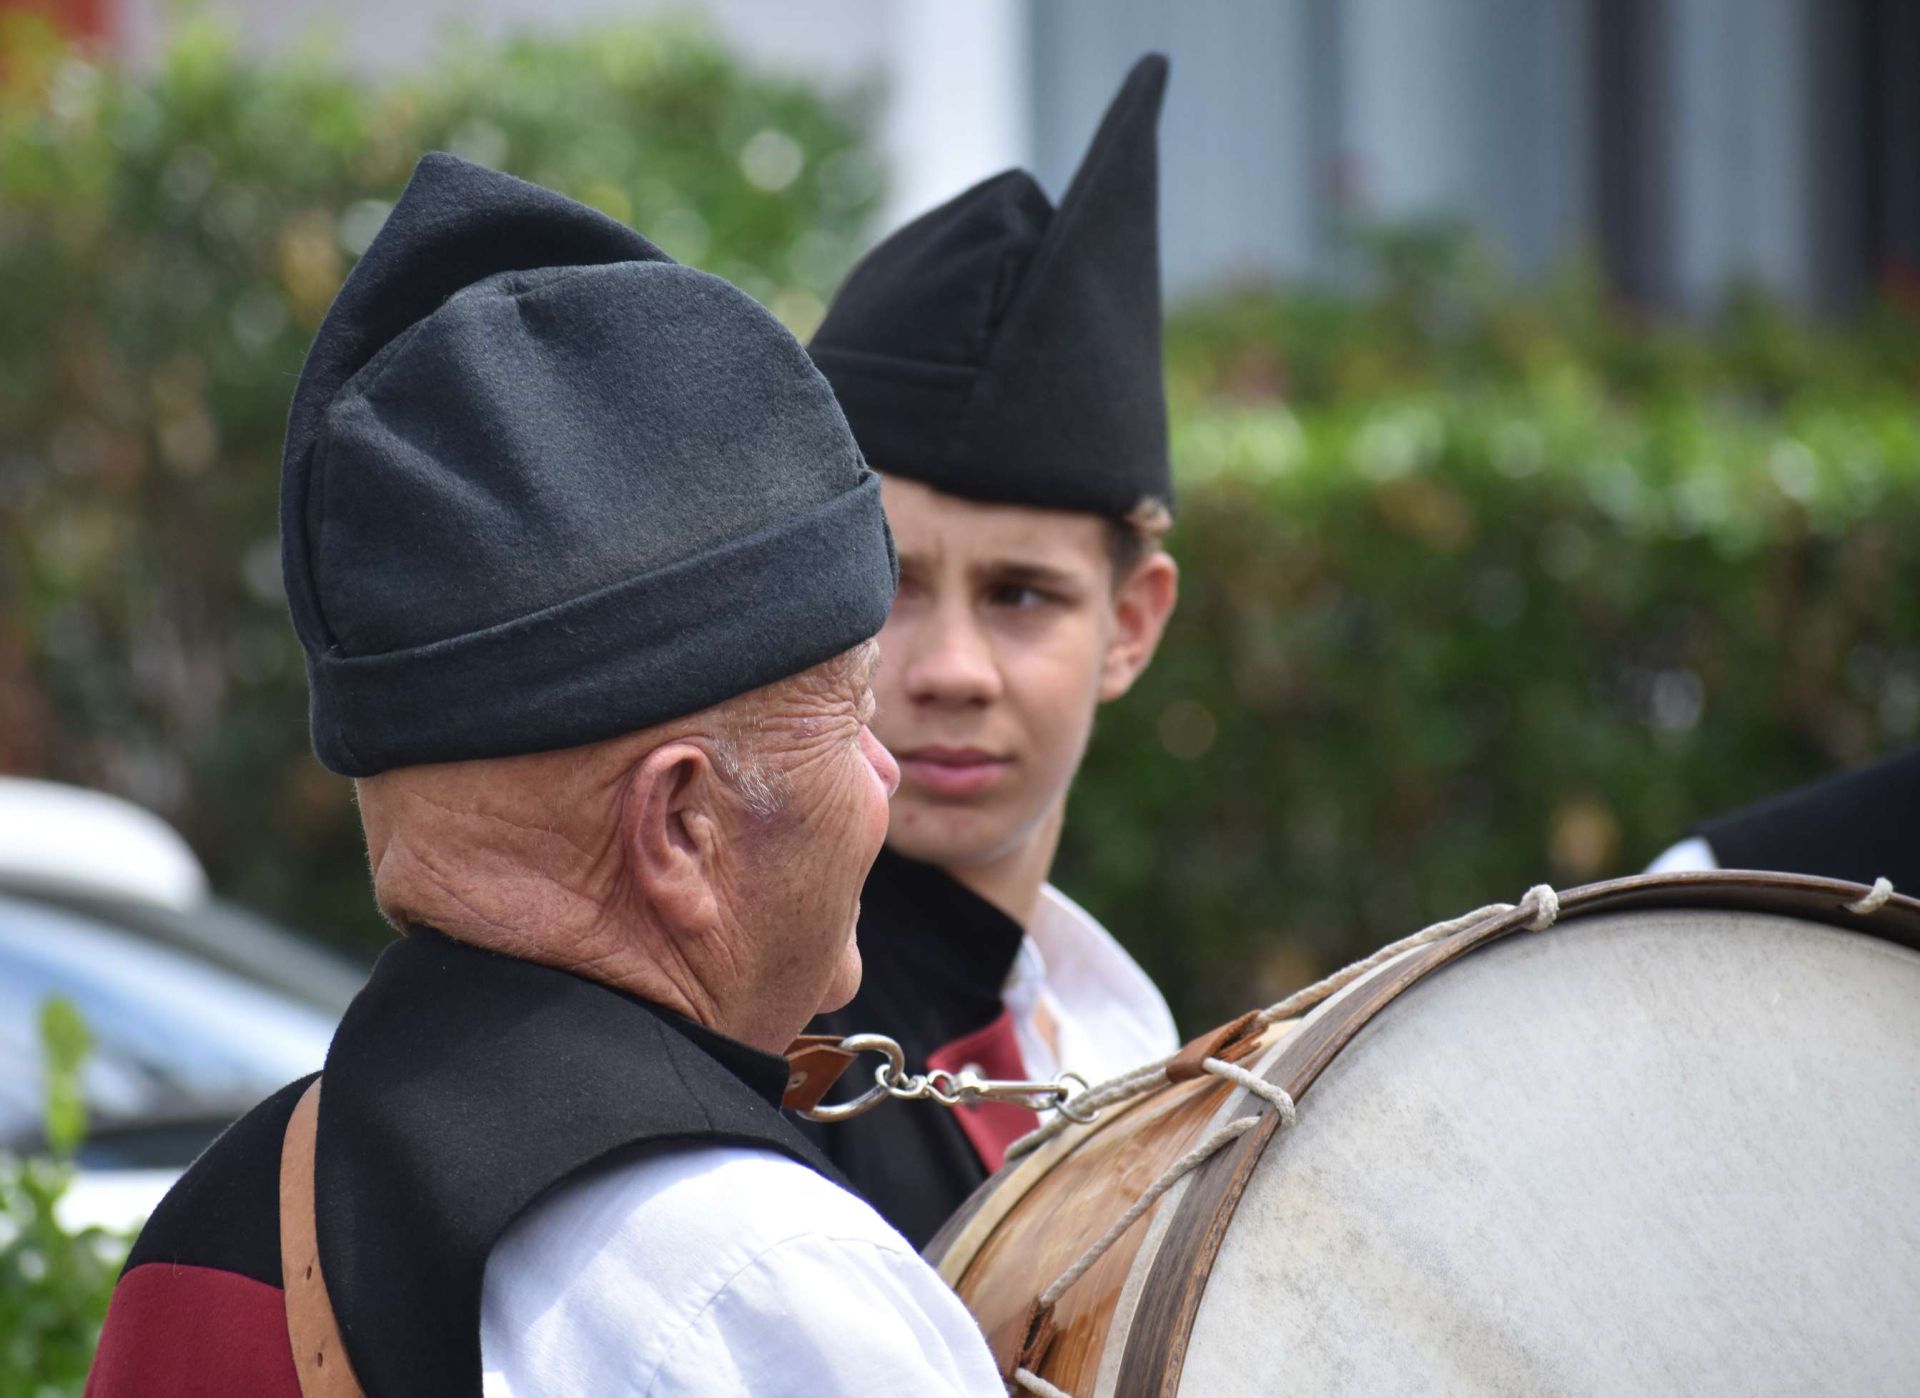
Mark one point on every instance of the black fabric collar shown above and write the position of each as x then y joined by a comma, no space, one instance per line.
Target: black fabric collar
935,954
921,911
461,1087
765,1073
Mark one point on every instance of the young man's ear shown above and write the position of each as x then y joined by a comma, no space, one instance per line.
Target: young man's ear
672,835
1142,602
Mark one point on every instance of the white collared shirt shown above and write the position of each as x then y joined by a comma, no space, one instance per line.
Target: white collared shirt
1107,1013
1691,853
718,1270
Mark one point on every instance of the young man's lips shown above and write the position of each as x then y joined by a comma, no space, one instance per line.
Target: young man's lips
951,771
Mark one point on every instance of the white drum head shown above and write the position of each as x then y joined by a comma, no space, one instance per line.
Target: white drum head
1647,1152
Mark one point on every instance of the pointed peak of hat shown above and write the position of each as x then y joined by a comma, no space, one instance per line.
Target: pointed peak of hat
1076,392
1123,160
1001,349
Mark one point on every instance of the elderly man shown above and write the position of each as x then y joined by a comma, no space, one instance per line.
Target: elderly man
586,566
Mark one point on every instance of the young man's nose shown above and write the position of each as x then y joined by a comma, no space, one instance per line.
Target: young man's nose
952,663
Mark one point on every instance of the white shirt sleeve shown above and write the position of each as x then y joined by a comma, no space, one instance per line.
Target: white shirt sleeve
718,1270
820,1315
1693,853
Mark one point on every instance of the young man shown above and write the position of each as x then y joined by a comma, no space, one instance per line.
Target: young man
999,362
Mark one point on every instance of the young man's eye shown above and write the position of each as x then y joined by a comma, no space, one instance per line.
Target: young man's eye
1020,597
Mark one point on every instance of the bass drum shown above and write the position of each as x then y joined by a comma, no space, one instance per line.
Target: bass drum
1671,1144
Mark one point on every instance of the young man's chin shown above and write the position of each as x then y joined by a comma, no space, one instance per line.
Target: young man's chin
949,838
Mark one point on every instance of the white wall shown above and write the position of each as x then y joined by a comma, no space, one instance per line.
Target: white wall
1283,117
1469,108
958,81
841,39
1745,189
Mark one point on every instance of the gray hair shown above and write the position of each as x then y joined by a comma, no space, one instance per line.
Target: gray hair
739,737
743,766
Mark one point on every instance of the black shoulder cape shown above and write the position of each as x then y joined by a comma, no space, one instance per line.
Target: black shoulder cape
460,1087
1859,825
936,958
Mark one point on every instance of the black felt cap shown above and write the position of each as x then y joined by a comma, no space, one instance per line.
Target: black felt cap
543,485
1004,350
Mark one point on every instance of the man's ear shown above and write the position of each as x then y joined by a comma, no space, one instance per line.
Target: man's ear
1142,602
672,835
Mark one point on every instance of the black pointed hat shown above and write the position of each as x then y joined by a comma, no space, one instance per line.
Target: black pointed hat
543,486
1004,350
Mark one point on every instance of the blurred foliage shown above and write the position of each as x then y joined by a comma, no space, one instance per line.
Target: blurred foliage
54,1282
168,244
1481,586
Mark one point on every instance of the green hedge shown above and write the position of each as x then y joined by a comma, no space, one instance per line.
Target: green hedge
1434,648
1480,587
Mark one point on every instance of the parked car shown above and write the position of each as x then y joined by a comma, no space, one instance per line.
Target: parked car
197,1008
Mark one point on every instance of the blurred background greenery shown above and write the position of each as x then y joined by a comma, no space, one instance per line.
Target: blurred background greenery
1482,586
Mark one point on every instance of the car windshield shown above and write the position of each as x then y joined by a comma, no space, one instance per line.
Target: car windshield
181,1047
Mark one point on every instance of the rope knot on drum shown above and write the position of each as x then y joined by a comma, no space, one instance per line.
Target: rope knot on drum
1874,899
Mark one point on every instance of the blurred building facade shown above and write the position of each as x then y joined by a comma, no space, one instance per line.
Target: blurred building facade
1689,146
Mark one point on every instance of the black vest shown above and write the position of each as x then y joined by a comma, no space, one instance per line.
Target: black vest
1859,825
461,1087
936,958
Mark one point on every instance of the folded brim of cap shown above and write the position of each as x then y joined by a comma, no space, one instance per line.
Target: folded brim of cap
661,645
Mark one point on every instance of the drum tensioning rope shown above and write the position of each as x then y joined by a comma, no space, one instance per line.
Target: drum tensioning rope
1541,900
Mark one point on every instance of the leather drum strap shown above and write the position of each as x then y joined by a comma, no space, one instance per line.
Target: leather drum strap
319,1356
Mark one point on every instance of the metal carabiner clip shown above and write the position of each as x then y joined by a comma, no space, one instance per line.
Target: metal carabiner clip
888,1079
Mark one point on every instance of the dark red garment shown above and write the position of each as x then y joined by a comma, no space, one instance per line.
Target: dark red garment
193,1332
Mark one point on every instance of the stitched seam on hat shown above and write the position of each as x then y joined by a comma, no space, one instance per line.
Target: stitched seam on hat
570,275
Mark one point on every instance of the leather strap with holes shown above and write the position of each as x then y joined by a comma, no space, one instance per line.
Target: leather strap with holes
319,1356
815,1062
